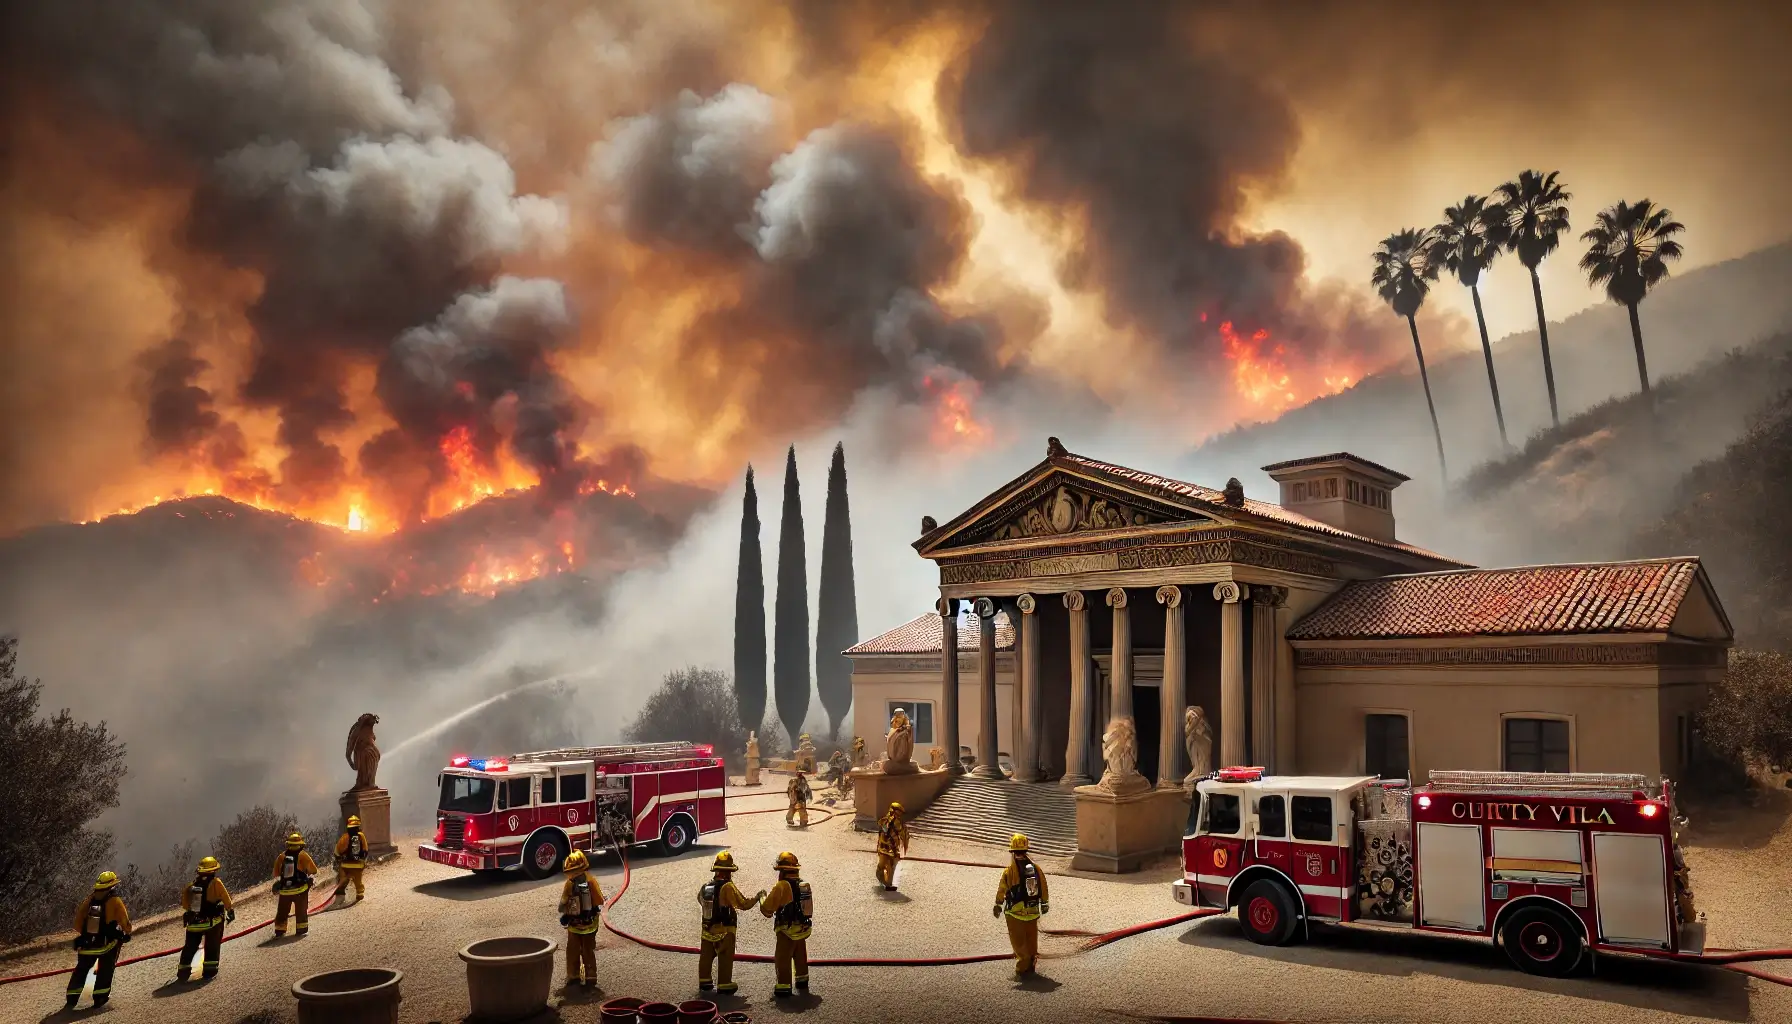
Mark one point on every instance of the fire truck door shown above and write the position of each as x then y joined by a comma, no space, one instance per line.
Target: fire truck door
1269,831
1219,846
1452,877
1630,883
1319,852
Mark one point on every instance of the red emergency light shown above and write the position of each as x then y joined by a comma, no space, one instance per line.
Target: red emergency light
1650,810
1241,774
458,761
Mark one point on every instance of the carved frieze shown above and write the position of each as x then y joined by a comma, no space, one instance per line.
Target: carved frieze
1138,553
1066,565
1073,510
1550,654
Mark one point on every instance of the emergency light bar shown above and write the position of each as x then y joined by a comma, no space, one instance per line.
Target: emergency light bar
479,764
1239,774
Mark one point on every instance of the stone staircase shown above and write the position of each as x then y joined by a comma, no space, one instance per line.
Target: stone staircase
991,810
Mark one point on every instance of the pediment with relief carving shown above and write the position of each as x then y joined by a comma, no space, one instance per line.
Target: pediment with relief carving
1073,510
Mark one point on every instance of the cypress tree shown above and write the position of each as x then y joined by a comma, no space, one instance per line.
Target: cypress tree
837,618
790,625
749,616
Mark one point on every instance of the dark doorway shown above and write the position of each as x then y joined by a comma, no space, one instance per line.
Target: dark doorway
1148,714
1385,739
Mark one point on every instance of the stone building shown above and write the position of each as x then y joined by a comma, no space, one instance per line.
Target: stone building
1316,641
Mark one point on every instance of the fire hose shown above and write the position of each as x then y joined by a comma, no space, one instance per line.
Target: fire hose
170,951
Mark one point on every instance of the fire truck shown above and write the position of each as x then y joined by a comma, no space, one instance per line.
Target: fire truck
1550,866
528,811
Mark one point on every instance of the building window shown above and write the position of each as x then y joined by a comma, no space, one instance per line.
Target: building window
1537,745
920,715
1350,490
1331,487
1300,492
1385,746
1272,817
1313,818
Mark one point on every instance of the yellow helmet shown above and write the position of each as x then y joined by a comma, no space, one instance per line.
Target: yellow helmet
1018,844
354,821
575,862
787,862
207,865
295,841
106,880
895,806
725,861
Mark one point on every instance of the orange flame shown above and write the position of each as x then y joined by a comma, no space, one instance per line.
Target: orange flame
1261,375
955,421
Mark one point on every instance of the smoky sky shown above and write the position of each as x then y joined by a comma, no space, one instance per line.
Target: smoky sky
357,159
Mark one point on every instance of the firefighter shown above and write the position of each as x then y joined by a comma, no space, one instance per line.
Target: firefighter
293,871
892,844
1022,896
581,909
351,860
791,907
722,902
207,907
798,792
102,924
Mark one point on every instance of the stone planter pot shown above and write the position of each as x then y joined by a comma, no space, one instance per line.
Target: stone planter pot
361,995
621,1010
508,978
697,1011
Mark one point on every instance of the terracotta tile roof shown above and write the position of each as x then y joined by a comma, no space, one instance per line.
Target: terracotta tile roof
1259,509
1314,460
921,635
1599,597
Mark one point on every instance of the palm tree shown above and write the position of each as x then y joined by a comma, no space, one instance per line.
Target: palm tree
1536,208
1404,270
1628,255
1470,238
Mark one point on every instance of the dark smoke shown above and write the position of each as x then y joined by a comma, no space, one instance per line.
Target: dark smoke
180,413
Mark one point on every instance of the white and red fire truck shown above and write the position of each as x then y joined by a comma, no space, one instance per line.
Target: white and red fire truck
529,811
1548,865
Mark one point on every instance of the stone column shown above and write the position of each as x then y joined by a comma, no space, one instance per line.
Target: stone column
1174,692
1082,694
988,767
1264,602
1232,696
1120,743
947,726
1026,750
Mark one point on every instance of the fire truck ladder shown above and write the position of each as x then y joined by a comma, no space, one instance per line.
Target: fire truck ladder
632,753
1588,784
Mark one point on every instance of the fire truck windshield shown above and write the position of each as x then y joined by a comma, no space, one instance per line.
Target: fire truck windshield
466,795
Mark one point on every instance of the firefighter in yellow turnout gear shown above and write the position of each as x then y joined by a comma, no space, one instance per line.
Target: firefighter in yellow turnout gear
799,794
581,911
102,925
892,844
207,907
722,902
792,910
351,860
293,871
1023,898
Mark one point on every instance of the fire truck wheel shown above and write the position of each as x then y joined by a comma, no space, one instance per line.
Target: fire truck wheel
1267,913
544,855
677,837
1541,941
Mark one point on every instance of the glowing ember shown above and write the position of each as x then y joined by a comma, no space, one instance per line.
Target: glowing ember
1262,377
954,421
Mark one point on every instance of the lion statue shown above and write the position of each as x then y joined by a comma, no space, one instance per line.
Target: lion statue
1197,737
363,756
1120,749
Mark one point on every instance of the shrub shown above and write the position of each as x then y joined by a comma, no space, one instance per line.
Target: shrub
246,847
695,704
159,888
49,854
1747,724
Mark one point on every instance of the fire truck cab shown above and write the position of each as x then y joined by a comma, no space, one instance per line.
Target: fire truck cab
530,810
1549,866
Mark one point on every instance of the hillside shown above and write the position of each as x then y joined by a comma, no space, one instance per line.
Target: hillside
1687,321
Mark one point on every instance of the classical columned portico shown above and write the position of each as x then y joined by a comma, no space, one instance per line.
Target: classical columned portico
1082,694
947,607
1027,744
988,763
1173,691
1264,712
1231,594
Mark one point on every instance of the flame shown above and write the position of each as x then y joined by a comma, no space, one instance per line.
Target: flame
955,422
1262,377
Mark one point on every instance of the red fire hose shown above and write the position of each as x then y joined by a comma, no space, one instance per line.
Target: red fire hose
170,951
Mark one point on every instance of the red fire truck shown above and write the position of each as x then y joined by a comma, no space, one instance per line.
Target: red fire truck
529,811
1548,865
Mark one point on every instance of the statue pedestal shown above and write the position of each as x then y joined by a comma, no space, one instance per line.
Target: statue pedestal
752,772
873,791
374,808
1121,832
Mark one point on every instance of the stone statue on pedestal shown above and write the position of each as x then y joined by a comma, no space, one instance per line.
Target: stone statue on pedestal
859,758
1197,736
805,755
899,745
1120,750
752,759
936,758
363,756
